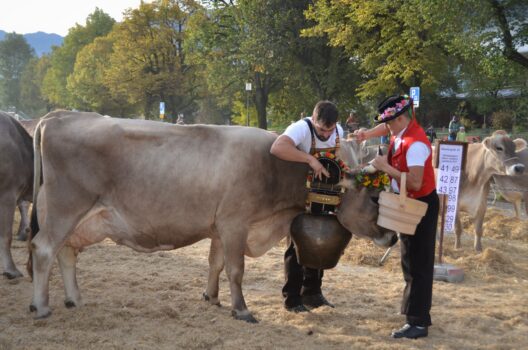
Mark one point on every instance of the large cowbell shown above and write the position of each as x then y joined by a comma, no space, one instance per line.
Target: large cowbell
319,238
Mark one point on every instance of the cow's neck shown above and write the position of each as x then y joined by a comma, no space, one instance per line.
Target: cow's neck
477,171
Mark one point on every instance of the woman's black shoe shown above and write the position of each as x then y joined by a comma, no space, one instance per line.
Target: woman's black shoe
411,332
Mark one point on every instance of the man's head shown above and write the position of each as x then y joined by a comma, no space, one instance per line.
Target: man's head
324,119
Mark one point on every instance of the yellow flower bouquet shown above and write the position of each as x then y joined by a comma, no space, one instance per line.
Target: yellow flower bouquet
375,181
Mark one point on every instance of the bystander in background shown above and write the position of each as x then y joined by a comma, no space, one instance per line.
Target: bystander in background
461,135
454,126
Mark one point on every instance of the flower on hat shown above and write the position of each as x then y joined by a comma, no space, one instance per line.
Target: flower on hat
393,110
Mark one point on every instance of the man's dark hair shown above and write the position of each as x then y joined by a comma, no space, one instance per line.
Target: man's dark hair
326,113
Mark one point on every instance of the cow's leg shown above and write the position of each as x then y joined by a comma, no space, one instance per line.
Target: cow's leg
23,228
67,258
7,210
234,242
458,231
517,204
216,265
478,221
43,251
526,202
60,219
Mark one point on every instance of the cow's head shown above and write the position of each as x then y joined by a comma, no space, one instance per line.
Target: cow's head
358,213
503,158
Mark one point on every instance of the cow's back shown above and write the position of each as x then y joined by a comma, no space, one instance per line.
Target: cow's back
16,157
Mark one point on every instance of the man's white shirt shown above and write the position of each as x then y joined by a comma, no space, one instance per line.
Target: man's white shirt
300,134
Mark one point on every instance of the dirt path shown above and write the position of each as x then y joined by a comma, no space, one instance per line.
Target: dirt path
153,301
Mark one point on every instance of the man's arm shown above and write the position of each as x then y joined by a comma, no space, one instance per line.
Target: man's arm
284,148
377,131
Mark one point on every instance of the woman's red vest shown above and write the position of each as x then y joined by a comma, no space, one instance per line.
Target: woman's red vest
398,160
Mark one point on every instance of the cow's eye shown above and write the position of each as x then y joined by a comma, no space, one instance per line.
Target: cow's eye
499,149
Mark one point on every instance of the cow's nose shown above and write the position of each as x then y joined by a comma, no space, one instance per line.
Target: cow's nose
518,168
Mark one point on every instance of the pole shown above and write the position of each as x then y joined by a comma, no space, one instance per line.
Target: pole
442,222
247,107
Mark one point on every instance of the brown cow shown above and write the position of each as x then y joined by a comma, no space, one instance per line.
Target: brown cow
515,188
155,186
494,156
16,185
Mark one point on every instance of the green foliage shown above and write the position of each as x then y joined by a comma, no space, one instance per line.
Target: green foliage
87,81
32,100
15,53
148,64
393,42
62,60
502,120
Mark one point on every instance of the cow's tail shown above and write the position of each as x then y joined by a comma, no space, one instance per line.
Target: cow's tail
37,180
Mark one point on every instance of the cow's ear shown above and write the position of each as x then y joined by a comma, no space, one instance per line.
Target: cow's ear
520,144
487,142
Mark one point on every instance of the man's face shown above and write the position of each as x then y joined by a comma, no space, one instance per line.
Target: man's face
322,131
396,125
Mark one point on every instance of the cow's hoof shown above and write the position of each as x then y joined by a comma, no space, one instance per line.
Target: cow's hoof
244,317
22,237
210,300
69,304
43,315
12,275
32,308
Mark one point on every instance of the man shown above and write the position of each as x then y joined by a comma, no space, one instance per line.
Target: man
299,143
431,133
410,152
454,125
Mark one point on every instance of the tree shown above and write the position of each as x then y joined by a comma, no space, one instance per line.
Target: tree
148,63
239,43
392,40
15,54
62,58
31,98
87,81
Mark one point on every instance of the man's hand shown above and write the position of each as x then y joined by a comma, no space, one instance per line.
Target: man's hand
318,168
360,135
381,163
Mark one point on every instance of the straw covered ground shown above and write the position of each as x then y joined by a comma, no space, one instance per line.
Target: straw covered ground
153,301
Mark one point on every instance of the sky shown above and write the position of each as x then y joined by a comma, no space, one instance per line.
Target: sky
55,16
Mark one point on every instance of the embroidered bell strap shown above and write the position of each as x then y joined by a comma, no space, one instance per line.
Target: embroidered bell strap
323,198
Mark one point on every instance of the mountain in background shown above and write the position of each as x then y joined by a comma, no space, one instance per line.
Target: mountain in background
41,42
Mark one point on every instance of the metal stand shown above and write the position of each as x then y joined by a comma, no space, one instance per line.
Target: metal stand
445,272
387,252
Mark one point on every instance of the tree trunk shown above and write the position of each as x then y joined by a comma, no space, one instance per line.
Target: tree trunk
261,99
